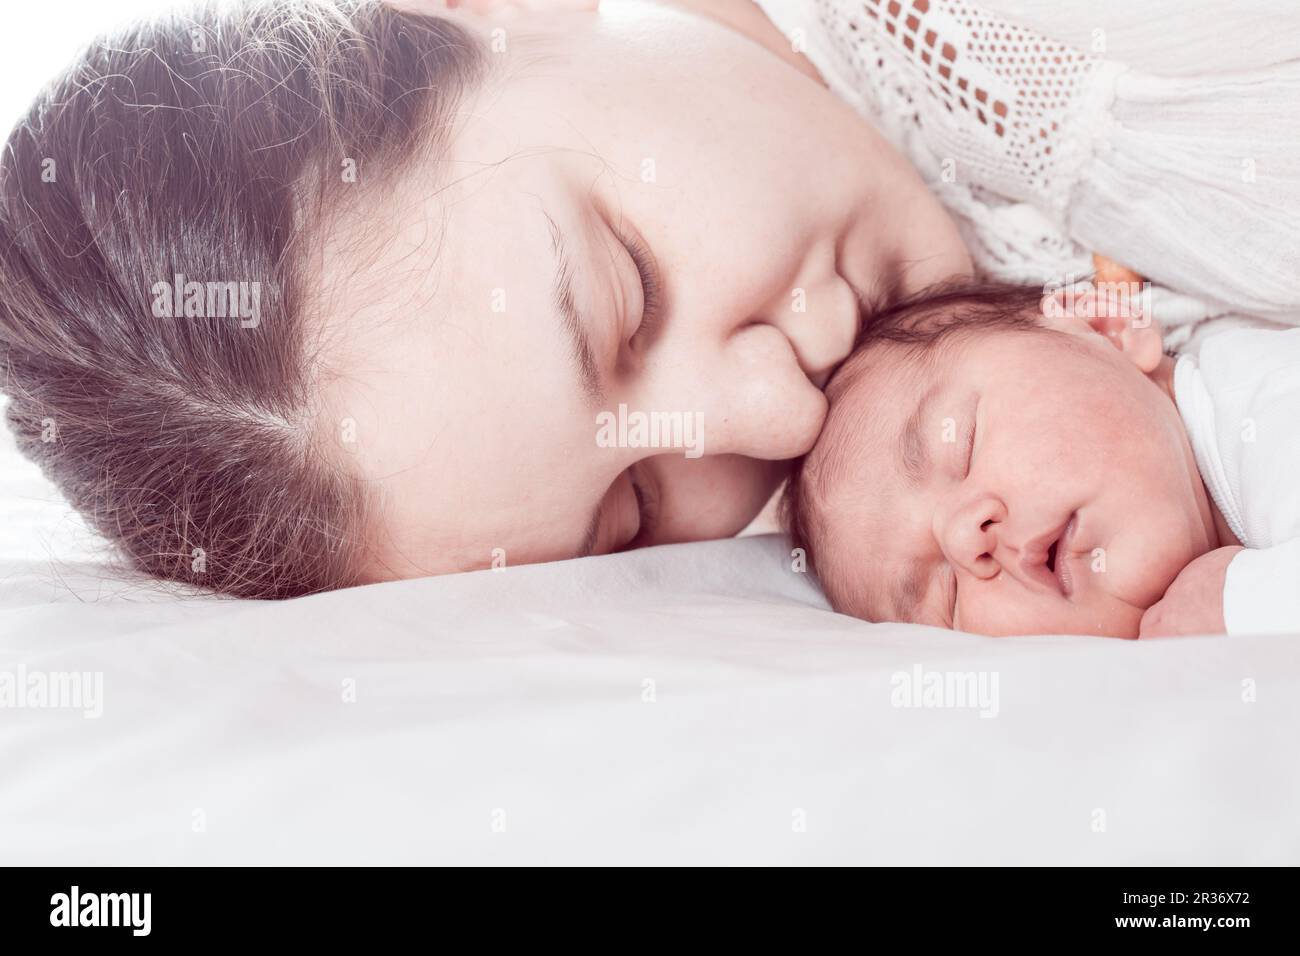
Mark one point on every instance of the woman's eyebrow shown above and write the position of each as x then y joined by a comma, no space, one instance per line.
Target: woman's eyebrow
572,321
914,456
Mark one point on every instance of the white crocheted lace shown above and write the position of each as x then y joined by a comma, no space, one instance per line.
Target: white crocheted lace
1005,92
999,120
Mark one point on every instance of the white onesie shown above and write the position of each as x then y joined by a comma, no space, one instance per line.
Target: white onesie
1240,401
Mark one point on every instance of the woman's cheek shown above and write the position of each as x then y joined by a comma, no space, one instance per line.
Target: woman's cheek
711,497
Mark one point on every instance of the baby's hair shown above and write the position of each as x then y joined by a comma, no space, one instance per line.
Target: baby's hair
948,308
205,144
919,324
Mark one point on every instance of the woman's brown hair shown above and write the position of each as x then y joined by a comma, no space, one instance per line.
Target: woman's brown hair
185,156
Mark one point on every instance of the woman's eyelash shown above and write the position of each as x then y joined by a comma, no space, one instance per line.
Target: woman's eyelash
651,289
647,507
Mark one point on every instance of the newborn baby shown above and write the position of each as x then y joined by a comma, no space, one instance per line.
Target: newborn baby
1003,462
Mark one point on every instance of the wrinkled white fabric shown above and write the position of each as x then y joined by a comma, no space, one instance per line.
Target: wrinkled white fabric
685,704
1240,401
693,703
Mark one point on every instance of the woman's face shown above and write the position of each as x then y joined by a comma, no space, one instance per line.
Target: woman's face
641,212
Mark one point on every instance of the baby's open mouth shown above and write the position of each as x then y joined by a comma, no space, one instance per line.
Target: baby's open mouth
1047,559
1058,549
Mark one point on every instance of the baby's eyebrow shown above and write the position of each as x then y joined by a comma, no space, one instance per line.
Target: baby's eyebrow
914,452
914,456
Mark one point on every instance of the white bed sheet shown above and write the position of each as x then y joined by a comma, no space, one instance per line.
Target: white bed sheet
501,717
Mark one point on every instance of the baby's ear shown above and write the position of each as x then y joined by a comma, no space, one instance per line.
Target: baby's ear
1118,311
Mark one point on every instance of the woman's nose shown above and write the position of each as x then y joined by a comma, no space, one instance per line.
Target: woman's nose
746,387
969,535
821,321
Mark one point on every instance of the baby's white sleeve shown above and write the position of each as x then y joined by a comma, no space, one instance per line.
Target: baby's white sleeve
1261,591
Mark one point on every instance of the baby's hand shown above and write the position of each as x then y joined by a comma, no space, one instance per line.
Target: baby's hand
1194,602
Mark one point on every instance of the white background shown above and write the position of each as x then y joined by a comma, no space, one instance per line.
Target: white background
38,39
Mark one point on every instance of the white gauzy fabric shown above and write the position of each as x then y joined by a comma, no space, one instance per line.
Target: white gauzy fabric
1047,152
1240,400
1168,37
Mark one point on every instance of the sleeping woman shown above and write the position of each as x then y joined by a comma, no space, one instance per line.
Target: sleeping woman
474,234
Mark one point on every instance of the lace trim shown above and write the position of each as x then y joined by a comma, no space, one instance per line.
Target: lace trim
1004,93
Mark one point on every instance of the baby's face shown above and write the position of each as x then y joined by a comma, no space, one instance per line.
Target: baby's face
1011,482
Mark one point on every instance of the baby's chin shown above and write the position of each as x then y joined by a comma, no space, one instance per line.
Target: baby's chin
1104,617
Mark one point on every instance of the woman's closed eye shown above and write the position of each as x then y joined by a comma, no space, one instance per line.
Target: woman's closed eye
651,291
646,491
628,511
